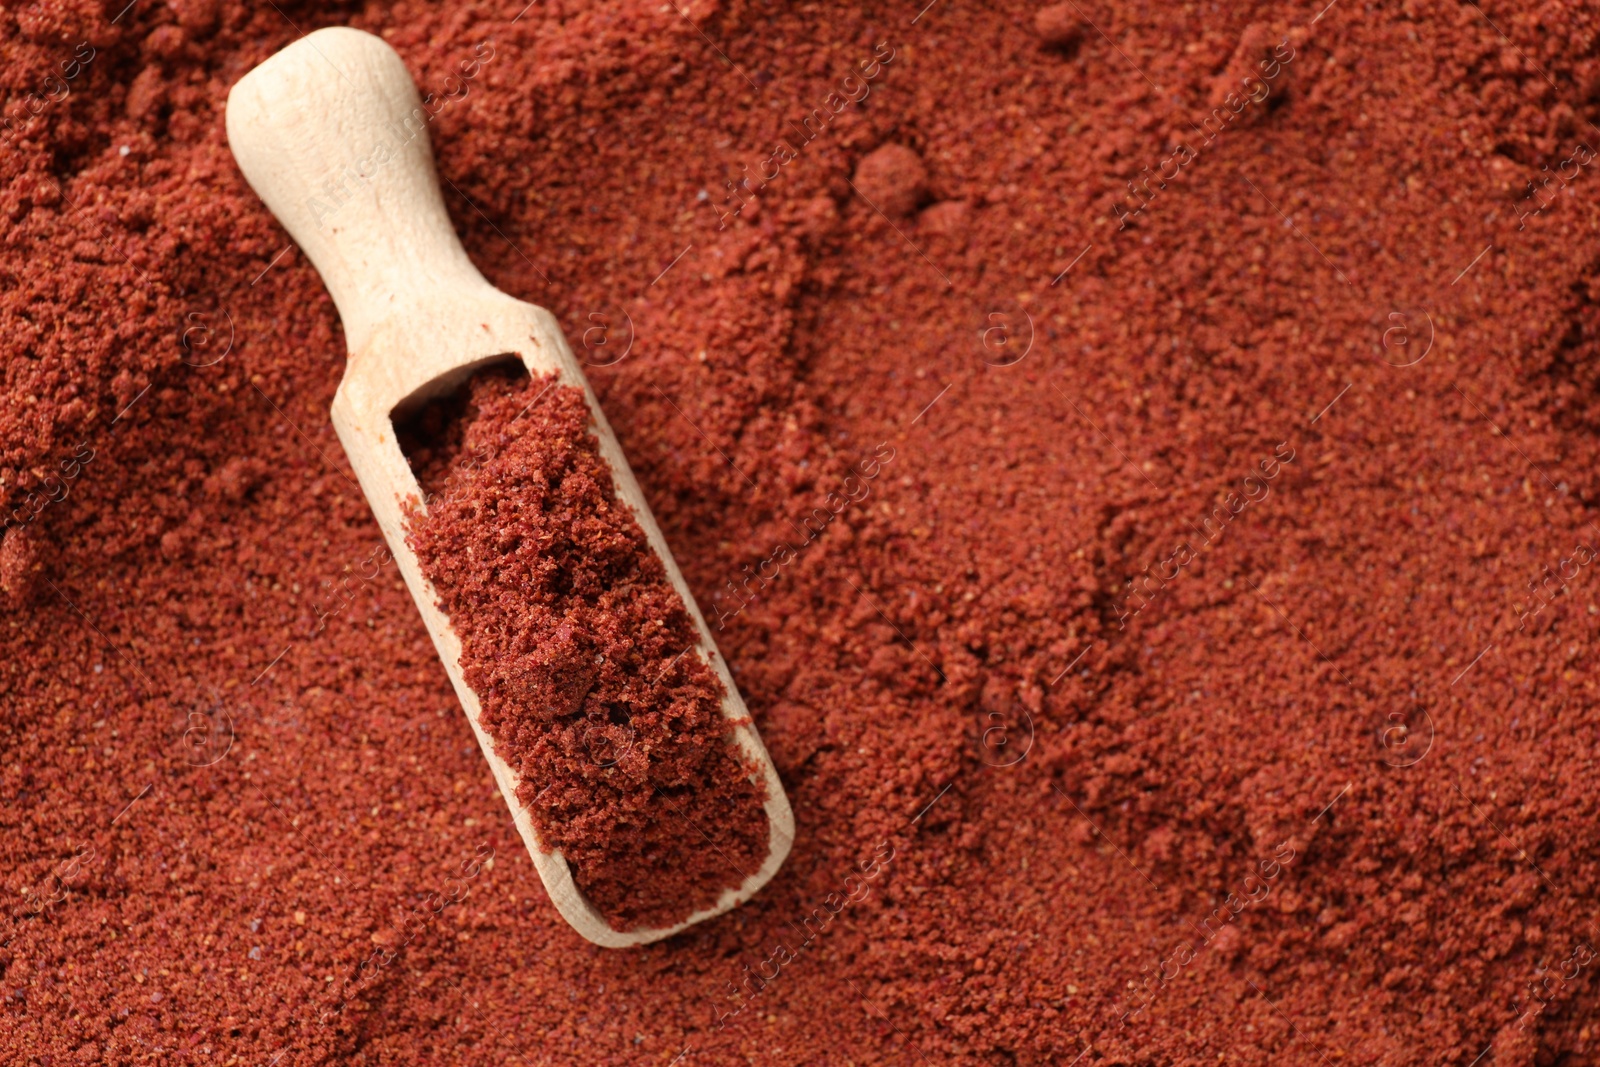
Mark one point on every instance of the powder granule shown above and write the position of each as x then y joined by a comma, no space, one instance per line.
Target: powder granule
580,651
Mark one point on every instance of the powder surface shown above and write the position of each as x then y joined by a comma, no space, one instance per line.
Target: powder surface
232,767
581,652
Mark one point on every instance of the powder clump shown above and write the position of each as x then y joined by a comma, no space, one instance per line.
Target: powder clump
1059,26
893,178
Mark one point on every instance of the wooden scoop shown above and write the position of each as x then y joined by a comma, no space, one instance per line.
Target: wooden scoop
332,135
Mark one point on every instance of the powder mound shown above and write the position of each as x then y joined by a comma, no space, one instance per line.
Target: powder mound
1058,26
893,178
574,639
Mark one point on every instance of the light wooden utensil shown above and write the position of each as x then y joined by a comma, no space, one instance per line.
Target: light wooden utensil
331,134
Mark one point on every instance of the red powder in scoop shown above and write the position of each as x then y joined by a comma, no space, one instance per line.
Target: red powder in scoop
581,653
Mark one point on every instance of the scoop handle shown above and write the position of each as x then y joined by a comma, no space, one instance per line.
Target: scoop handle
331,133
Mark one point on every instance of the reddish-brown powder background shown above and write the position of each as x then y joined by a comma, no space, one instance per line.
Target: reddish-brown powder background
215,918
